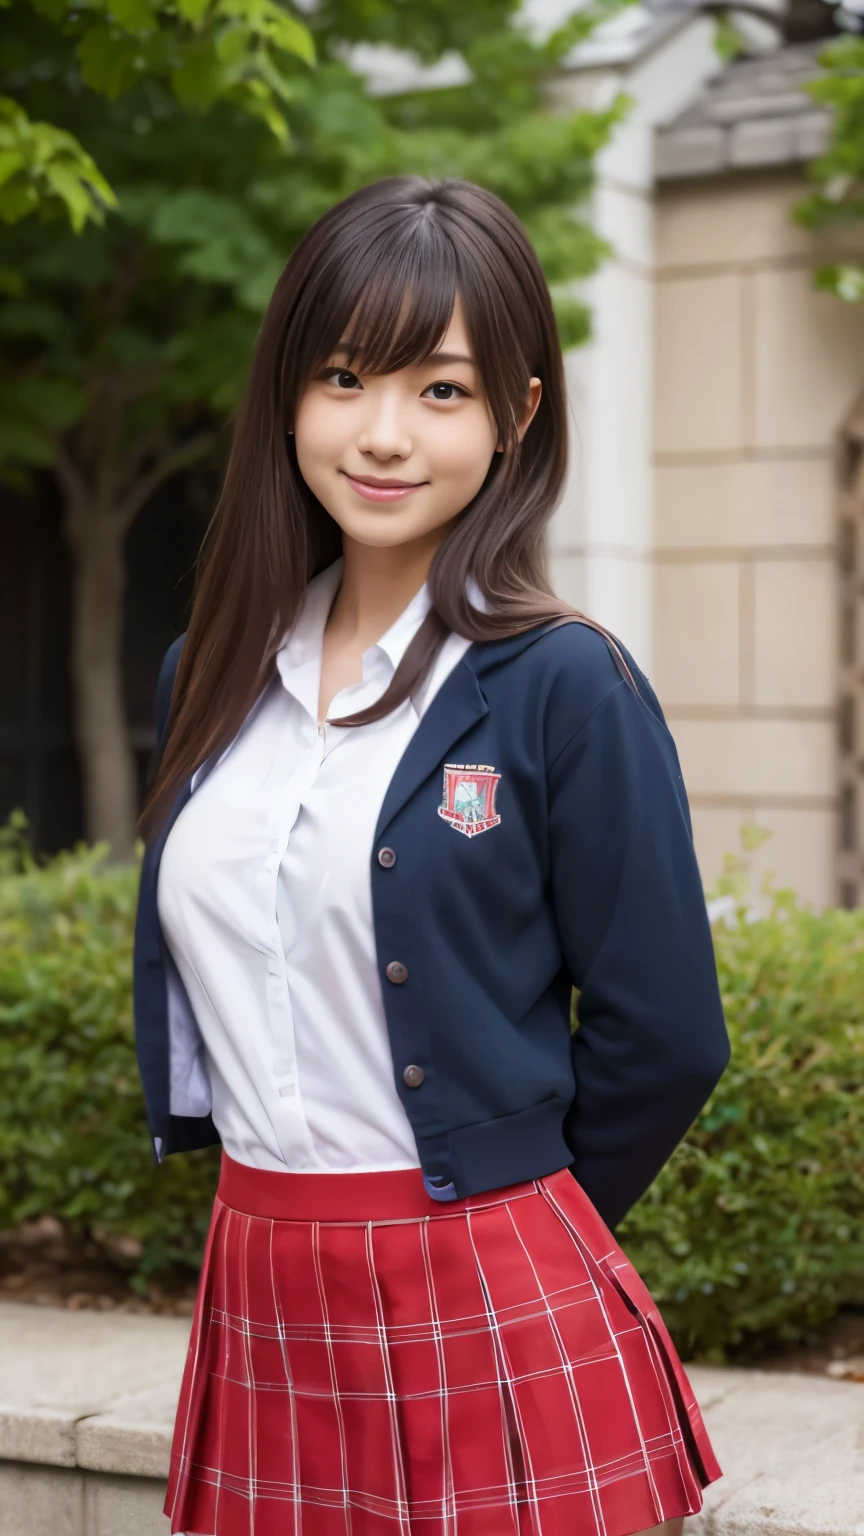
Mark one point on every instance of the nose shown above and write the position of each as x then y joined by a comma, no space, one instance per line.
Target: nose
384,432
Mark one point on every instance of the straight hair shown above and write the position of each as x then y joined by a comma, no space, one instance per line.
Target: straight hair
380,270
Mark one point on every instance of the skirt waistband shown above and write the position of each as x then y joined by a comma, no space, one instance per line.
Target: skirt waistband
394,1194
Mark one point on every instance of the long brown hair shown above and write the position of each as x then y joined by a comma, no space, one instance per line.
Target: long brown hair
381,269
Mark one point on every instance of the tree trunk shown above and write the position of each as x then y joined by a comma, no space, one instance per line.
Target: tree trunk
107,767
104,489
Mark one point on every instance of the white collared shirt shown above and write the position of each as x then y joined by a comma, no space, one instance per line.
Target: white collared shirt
265,902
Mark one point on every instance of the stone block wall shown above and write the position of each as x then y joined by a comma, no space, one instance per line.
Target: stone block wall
754,375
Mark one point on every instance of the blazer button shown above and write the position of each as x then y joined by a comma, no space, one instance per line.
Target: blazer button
386,857
412,1077
397,972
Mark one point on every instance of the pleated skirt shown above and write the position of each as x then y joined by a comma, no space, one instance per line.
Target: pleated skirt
366,1361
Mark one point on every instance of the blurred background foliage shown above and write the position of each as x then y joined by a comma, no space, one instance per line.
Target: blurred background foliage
752,1236
837,201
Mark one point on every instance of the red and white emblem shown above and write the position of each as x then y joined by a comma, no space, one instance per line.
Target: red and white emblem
469,797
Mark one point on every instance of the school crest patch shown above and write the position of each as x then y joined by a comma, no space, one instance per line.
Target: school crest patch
469,797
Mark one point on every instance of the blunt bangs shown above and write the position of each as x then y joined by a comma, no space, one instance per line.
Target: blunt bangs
389,294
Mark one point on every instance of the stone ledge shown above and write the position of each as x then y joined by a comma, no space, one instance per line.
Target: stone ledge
133,1437
88,1403
792,1452
89,1389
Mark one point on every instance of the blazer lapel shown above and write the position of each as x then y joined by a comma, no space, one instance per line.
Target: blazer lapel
458,704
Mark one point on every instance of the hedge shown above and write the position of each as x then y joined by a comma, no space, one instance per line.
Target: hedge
753,1234
73,1134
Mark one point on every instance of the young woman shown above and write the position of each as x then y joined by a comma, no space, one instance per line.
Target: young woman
406,800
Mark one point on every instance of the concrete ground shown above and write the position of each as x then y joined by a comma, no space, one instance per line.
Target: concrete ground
87,1402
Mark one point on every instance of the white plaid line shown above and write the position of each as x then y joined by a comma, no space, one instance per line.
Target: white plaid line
588,1259
331,1361
596,1502
310,1393
251,1395
405,1333
400,1479
676,1437
505,1383
232,1219
448,1493
289,1380
474,1498
665,1390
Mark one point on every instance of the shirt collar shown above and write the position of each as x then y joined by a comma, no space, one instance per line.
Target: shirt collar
298,659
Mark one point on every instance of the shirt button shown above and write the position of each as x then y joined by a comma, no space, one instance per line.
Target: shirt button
412,1077
386,857
397,972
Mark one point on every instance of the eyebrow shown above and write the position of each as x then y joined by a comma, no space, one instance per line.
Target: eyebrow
434,357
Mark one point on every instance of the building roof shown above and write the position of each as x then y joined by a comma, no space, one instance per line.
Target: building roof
629,35
755,114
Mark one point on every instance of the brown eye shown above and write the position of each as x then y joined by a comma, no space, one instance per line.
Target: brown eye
343,378
443,386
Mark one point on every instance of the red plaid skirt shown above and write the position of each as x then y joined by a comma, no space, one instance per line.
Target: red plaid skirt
365,1360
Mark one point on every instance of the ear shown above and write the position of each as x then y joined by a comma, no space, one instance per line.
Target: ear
535,390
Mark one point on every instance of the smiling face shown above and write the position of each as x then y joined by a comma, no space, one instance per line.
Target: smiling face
395,457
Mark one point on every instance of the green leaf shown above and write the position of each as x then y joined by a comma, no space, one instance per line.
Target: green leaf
55,11
18,200
193,11
55,404
200,78
846,280
729,41
109,61
136,16
838,174
11,160
269,20
75,195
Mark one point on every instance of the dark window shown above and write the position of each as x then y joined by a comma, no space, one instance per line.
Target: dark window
38,763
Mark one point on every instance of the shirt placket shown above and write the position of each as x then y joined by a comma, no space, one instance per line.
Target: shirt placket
291,1125
289,1119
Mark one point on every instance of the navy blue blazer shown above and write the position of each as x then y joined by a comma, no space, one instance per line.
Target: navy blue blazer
589,879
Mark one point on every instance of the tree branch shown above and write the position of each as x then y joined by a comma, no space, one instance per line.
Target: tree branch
181,457
149,445
72,482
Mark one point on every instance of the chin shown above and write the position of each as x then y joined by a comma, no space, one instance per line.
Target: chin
381,530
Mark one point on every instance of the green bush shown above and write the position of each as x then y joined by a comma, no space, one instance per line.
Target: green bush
753,1234
73,1134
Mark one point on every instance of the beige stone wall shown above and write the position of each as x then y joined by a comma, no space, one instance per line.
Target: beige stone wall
755,372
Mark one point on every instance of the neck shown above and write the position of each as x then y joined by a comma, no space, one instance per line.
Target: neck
377,585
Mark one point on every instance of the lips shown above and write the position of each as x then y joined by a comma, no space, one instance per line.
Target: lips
382,490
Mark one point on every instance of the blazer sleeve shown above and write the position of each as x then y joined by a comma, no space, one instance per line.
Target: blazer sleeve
651,1043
